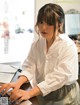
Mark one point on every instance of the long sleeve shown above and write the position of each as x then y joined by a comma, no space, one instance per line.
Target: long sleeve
64,72
29,65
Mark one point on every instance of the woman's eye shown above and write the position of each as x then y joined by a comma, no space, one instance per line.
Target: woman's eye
41,22
50,24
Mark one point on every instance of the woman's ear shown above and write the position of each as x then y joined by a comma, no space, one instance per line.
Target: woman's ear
60,26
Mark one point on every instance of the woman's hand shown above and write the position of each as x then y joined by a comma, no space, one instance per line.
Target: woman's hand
19,95
6,87
14,85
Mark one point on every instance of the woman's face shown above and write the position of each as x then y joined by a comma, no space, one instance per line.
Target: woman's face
46,31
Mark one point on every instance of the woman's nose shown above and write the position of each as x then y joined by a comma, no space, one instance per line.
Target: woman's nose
44,26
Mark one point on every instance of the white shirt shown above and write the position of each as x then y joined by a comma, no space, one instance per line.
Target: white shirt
53,69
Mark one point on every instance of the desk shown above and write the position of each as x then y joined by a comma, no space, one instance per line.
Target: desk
26,86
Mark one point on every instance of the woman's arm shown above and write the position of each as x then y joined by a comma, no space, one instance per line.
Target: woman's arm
14,85
21,80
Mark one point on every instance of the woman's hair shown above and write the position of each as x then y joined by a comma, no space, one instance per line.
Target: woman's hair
51,14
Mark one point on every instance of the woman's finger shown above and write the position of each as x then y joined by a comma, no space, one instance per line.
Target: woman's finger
2,88
7,90
15,95
20,100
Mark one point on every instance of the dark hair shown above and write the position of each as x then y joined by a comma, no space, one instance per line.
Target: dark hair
51,13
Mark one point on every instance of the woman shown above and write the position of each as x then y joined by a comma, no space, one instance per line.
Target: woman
52,64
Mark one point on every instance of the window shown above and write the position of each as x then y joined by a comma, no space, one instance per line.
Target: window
17,15
72,24
17,21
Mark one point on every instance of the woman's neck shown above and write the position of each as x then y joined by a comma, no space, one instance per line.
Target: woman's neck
49,43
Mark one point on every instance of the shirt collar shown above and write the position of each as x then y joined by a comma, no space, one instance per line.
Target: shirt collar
63,36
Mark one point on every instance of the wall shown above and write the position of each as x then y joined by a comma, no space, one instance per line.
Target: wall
69,4
66,4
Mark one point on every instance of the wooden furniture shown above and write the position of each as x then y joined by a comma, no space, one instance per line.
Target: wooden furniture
78,47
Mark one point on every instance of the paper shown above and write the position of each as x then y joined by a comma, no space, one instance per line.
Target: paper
26,103
4,68
6,73
6,77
